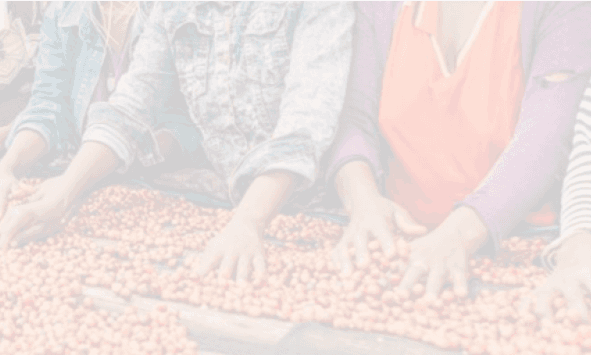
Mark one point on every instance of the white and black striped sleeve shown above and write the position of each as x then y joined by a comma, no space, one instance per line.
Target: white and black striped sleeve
576,189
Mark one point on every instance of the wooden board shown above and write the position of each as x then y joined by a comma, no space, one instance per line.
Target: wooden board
199,319
214,330
231,334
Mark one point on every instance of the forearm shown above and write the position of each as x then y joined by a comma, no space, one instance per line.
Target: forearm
358,133
4,131
265,196
94,162
28,147
356,185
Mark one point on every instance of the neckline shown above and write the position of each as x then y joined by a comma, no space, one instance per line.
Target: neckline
465,47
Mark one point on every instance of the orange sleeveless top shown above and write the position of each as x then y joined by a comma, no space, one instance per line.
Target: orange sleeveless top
447,130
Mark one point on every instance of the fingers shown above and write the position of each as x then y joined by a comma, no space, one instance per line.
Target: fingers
361,253
32,233
412,276
525,304
406,223
336,258
209,258
340,257
435,280
574,297
386,240
544,296
18,218
460,283
4,241
258,262
36,196
227,266
242,268
4,192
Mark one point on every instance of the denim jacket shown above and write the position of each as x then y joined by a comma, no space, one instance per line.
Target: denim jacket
68,66
264,84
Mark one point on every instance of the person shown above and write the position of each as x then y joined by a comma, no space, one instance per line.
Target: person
568,256
85,47
20,24
458,120
264,84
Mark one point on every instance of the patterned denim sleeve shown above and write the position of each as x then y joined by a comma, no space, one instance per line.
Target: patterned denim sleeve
126,123
312,100
47,111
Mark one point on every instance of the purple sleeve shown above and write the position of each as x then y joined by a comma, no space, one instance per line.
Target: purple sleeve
538,153
358,136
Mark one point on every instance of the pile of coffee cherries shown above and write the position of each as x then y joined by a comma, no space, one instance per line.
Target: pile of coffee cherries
43,310
143,242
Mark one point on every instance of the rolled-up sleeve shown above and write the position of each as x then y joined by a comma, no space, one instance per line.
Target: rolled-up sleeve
312,101
358,137
127,122
47,111
538,154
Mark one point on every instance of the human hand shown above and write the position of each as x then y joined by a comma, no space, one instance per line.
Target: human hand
378,218
237,246
240,243
571,274
443,253
9,184
42,213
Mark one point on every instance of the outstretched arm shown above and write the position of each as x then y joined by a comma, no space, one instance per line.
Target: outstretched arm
50,202
28,147
272,171
240,242
532,162
371,215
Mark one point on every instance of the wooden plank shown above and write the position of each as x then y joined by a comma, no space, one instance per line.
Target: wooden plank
218,329
241,334
212,322
200,320
213,341
105,299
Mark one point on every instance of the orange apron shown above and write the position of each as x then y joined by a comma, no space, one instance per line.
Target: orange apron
447,130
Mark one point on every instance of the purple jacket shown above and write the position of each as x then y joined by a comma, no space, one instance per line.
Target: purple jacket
555,37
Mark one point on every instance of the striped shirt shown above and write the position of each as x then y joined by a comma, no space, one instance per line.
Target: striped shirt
576,189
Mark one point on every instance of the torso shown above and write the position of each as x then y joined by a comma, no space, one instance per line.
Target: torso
450,98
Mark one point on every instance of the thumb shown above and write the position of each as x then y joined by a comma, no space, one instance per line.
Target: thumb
406,223
3,201
20,217
36,196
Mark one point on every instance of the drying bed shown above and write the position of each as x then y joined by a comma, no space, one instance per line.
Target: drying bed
138,248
